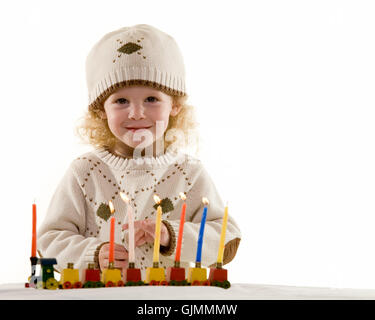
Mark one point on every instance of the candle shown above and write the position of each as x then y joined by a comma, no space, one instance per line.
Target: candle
131,227
181,228
201,231
222,238
33,239
112,234
157,231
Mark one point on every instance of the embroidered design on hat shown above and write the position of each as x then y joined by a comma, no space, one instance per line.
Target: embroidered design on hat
129,48
166,205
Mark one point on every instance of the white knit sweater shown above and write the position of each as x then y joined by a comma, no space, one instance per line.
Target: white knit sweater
77,222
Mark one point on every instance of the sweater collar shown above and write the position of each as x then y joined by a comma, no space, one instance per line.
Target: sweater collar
120,163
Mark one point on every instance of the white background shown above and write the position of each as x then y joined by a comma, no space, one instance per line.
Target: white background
284,92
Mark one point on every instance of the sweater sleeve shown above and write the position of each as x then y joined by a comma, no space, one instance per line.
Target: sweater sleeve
62,233
204,187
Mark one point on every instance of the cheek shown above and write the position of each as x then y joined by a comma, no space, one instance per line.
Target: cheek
114,122
160,115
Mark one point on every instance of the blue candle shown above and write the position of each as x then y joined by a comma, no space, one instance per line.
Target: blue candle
201,231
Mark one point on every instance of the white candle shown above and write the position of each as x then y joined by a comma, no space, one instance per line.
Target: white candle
131,233
131,227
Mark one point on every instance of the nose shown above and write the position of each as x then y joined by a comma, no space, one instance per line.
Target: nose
136,112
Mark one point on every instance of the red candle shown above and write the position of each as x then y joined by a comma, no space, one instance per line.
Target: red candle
112,234
181,228
33,239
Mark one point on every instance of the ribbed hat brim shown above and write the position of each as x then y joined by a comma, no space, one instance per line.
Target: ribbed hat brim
100,99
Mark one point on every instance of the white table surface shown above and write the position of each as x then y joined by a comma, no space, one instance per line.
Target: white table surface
237,291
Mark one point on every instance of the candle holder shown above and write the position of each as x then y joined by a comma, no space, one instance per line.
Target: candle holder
176,275
70,277
198,276
111,276
155,275
219,276
92,277
132,276
33,279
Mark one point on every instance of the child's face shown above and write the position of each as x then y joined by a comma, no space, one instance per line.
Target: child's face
138,114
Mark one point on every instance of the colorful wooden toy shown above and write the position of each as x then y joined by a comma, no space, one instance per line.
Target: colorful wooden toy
70,278
155,275
198,276
111,276
47,278
132,276
176,275
32,280
219,277
92,277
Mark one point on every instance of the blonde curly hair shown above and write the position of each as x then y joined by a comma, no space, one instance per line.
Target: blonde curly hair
181,133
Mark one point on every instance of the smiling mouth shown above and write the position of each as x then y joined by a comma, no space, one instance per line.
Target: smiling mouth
138,128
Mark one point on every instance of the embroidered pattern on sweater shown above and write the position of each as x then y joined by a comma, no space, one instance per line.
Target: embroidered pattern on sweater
103,211
95,166
129,48
166,205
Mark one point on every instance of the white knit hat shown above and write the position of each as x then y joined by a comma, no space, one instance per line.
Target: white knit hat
140,54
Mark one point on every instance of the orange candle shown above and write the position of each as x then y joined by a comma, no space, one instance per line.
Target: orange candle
112,234
181,228
33,239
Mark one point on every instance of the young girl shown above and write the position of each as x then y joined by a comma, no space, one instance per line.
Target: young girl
137,121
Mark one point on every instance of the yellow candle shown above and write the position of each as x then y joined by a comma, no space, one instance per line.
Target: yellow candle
222,238
157,231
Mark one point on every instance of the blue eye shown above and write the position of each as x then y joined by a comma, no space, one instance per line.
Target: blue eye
122,99
153,98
